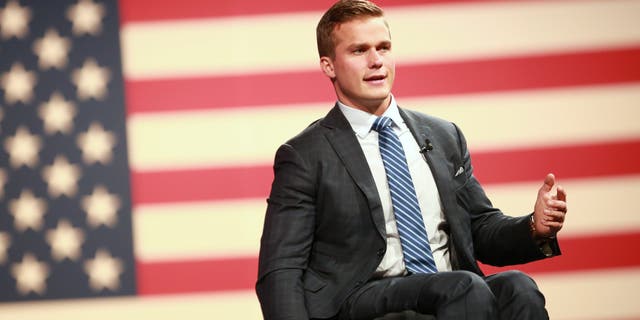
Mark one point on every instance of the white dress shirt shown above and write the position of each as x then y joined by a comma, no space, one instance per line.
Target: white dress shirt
428,198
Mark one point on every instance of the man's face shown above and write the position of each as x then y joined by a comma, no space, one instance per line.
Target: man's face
363,68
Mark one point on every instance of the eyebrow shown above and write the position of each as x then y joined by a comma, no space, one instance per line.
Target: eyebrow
365,44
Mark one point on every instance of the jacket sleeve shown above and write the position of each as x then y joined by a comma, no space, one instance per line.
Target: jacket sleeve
498,239
287,237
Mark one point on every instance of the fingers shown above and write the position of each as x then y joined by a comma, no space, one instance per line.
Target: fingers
550,208
558,205
550,223
555,209
553,229
558,202
553,216
561,194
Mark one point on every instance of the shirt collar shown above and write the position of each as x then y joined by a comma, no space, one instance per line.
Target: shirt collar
362,121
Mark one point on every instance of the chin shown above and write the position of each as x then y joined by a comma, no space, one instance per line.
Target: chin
380,91
379,95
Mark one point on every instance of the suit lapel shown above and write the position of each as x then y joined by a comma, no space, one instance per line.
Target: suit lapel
436,158
439,163
343,140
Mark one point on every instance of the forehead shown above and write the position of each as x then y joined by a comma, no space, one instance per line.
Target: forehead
362,30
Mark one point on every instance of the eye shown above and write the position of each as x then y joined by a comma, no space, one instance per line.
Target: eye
384,48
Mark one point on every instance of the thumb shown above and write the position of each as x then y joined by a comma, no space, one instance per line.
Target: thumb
549,181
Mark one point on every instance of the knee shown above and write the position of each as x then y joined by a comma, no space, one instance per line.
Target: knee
471,284
516,285
469,297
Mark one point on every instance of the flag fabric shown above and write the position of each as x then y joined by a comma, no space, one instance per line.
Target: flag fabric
536,86
65,219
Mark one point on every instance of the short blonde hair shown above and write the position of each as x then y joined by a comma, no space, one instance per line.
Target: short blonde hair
341,12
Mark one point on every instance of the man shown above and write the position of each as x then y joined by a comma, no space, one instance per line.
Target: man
345,238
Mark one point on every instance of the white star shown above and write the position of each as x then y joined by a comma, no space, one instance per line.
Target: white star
30,275
5,243
91,80
23,148
104,271
18,84
27,211
65,241
96,144
52,50
57,114
101,207
86,17
3,181
62,177
14,20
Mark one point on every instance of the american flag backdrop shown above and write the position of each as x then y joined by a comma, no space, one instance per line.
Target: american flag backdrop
137,137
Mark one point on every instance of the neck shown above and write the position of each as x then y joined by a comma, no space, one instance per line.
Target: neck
374,107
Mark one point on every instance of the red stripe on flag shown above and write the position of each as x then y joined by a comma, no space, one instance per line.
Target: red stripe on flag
201,184
149,10
523,72
489,75
613,251
196,275
616,250
579,161
567,162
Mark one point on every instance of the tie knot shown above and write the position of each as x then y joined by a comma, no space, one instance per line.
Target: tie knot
381,123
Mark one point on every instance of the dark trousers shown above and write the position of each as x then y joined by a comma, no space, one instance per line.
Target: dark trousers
450,295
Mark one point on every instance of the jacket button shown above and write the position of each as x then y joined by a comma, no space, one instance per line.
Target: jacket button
381,252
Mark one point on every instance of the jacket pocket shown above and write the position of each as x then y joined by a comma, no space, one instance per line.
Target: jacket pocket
460,179
312,282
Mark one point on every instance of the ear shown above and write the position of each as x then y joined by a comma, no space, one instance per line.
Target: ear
326,64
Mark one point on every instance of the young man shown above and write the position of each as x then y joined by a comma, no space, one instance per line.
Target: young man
374,209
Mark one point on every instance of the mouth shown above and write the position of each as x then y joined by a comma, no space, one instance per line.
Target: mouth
376,79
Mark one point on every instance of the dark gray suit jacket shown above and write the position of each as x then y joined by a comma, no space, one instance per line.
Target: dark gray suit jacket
324,231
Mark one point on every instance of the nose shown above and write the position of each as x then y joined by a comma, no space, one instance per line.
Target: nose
375,59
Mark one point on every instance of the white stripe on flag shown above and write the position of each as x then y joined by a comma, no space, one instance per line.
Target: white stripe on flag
204,228
447,32
579,112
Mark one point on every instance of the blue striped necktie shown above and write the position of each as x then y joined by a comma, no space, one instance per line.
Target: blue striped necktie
413,235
